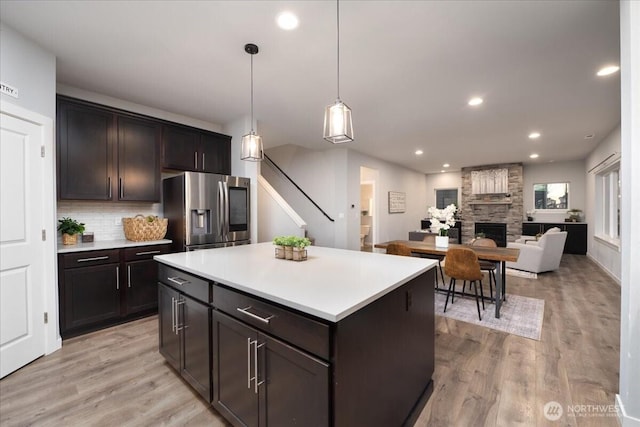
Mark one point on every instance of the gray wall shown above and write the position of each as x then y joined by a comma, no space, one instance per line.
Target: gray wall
30,69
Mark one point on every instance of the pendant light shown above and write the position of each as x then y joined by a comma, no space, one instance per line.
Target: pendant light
252,143
338,127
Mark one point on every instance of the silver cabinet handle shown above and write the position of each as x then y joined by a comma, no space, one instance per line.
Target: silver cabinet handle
121,188
202,161
96,258
147,253
109,183
129,276
249,363
117,277
173,314
195,158
177,280
254,316
255,366
179,302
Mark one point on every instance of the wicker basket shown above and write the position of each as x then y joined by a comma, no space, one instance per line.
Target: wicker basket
140,229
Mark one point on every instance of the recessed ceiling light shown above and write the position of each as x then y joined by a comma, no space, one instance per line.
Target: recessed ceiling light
533,156
287,21
608,70
446,165
442,171
418,152
475,101
534,135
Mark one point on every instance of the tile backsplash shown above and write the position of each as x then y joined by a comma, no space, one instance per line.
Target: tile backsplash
104,219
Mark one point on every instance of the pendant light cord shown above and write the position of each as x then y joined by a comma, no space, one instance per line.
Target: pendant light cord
338,43
251,93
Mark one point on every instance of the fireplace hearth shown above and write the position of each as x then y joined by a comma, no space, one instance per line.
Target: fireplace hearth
496,231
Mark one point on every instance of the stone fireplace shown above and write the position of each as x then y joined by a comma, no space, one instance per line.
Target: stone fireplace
503,208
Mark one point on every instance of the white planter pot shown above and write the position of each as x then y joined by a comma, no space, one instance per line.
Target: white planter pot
442,241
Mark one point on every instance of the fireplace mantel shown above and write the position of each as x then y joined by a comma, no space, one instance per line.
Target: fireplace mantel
480,202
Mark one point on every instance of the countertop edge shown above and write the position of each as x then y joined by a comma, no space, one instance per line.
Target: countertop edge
107,244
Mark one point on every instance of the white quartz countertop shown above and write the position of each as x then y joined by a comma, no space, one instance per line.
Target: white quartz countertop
106,244
330,284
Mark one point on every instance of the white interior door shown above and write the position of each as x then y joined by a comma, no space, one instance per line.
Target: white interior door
22,329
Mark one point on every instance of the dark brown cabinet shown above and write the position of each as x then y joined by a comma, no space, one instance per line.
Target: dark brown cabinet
260,381
106,287
106,154
86,151
184,332
138,159
576,242
190,149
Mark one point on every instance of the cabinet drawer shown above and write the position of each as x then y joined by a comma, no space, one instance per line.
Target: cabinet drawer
296,329
145,252
86,259
186,283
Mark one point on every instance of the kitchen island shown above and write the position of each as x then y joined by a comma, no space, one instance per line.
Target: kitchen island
344,338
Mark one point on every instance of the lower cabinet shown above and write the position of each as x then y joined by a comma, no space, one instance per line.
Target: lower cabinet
106,287
184,338
259,380
576,242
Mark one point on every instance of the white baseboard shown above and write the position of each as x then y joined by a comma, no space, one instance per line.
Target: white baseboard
603,268
624,419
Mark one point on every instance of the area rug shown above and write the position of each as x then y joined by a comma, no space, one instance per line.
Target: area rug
520,273
518,315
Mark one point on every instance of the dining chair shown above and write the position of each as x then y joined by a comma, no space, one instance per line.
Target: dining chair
398,249
462,264
488,266
431,239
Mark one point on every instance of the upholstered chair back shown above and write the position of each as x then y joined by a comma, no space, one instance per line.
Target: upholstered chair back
462,264
398,249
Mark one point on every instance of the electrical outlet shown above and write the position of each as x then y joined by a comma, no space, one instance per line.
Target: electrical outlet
118,221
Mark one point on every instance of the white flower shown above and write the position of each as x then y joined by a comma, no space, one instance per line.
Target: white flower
446,215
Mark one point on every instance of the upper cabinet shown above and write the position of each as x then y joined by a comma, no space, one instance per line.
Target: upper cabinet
109,154
106,154
86,151
190,149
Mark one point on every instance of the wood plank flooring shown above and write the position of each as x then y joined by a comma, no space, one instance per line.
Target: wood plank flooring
483,377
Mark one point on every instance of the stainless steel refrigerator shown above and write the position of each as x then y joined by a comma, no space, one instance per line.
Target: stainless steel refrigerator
206,210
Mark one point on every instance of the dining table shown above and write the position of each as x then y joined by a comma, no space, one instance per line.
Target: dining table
499,255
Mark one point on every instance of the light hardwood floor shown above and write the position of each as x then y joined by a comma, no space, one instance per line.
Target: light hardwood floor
483,377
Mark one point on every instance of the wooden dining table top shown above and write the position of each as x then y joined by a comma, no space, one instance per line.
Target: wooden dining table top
483,252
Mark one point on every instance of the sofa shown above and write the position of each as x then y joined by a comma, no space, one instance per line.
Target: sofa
543,254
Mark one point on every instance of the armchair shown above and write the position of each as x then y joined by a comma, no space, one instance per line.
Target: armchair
541,255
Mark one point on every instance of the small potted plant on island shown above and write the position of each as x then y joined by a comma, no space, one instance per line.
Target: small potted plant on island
279,242
299,251
70,228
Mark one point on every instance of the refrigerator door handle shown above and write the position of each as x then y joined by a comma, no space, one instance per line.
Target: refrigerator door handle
220,224
226,211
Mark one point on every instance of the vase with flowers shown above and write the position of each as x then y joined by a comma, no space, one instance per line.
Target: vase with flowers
441,221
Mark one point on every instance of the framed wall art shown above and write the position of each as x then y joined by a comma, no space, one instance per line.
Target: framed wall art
397,202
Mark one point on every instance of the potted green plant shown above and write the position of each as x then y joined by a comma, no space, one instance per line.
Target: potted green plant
279,242
574,215
70,228
299,251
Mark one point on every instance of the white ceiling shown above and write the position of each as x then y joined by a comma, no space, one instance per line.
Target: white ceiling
407,70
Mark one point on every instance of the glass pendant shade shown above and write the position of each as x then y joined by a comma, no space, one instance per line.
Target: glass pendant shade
338,127
252,147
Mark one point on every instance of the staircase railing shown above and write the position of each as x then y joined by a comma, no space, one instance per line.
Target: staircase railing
298,187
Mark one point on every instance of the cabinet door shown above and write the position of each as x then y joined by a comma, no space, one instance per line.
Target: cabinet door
91,295
85,152
296,388
233,368
138,159
576,239
168,337
141,289
180,148
194,326
215,153
530,229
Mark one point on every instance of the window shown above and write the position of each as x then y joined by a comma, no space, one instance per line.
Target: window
608,204
446,197
551,196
